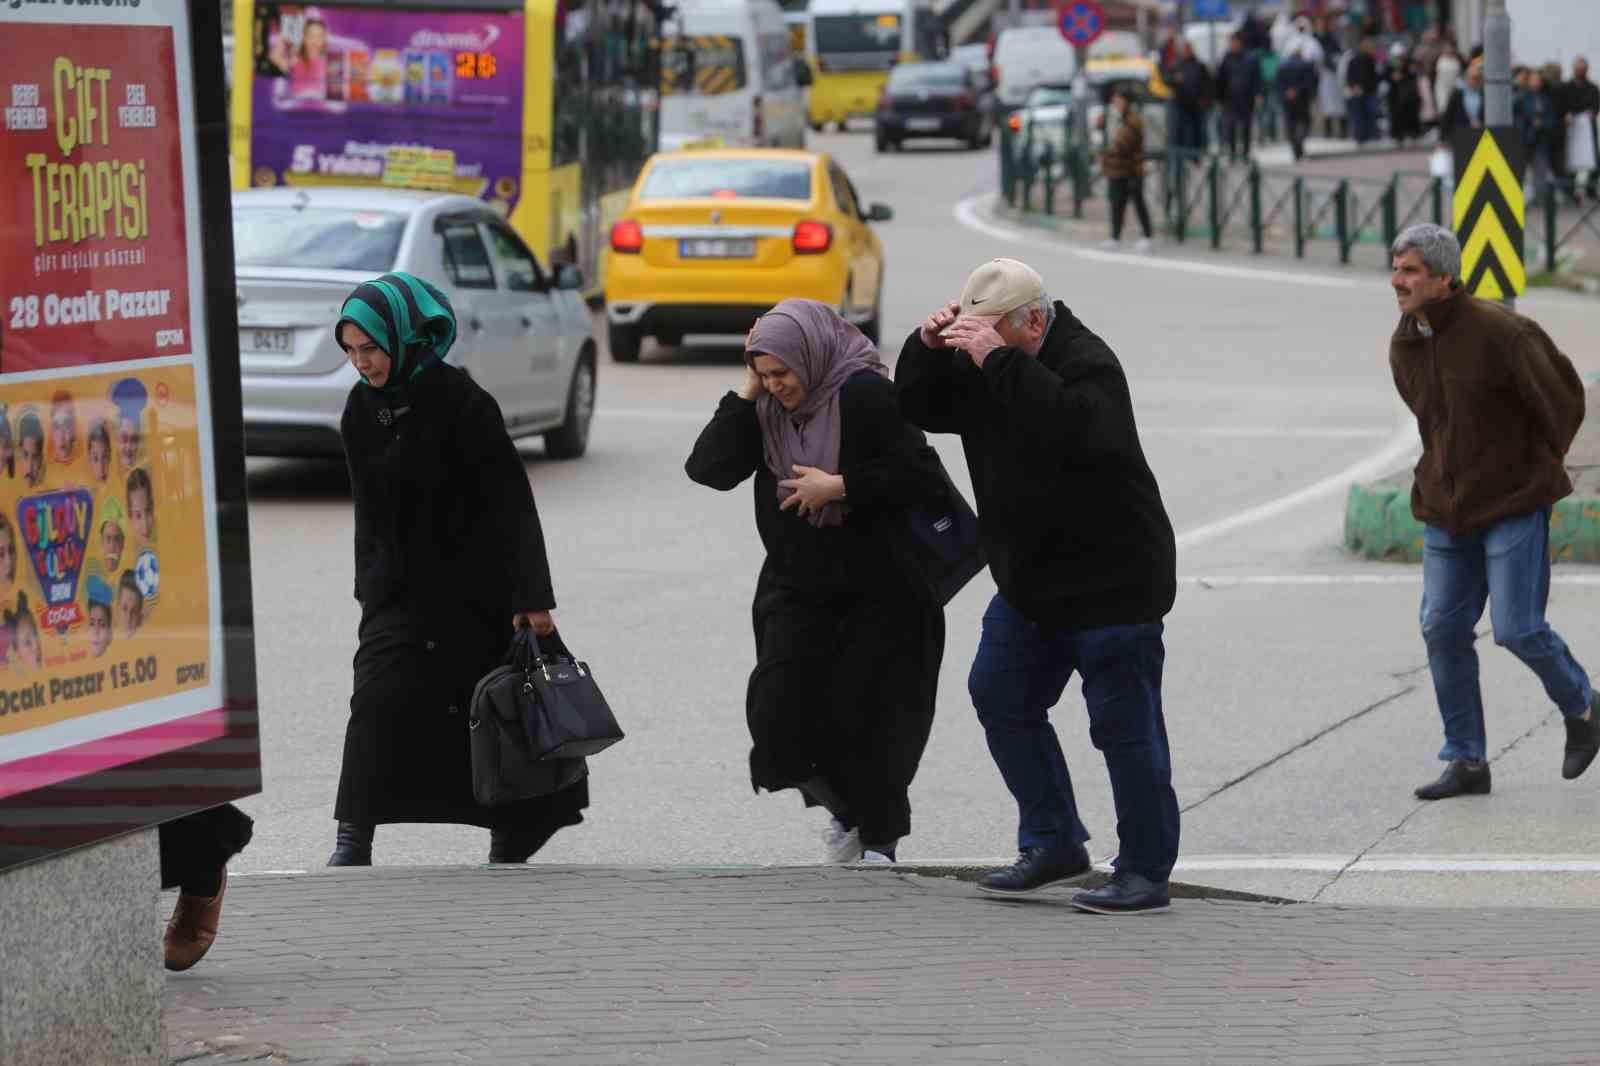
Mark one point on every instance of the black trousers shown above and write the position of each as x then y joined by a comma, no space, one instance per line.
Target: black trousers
1122,190
844,691
195,848
1237,125
1299,129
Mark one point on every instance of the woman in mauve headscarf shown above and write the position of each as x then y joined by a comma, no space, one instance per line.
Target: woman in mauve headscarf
841,700
449,559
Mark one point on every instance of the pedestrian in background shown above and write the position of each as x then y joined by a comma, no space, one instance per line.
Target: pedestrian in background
1122,163
1580,105
1082,551
1194,92
1361,82
1446,74
1297,81
841,700
1465,107
449,562
1404,98
1238,86
1539,123
1497,405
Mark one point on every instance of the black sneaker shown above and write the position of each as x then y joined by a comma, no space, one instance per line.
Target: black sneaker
1037,868
1459,779
1125,893
1583,741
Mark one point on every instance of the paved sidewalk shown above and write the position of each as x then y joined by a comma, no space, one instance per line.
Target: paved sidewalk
829,965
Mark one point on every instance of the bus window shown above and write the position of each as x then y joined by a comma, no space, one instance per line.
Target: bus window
863,41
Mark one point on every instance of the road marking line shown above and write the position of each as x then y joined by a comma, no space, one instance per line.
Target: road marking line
966,213
1246,580
1391,864
1401,445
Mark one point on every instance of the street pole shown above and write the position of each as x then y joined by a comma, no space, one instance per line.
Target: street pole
1497,76
1080,100
1496,65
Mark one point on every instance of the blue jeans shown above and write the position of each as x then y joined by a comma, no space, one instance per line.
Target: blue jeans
1507,565
1019,673
1363,112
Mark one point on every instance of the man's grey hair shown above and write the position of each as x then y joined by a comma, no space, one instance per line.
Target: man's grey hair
1019,317
1438,247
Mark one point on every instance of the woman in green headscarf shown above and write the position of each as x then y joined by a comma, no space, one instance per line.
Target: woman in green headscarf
450,558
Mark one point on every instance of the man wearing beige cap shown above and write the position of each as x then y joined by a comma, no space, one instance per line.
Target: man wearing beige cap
1082,553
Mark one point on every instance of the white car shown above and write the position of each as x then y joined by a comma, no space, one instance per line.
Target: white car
1044,116
524,332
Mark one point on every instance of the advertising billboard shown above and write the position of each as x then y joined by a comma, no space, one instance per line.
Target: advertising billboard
126,676
351,95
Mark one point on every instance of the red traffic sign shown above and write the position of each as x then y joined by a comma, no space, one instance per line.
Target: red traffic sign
1081,21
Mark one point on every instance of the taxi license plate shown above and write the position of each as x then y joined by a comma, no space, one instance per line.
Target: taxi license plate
922,123
266,341
717,248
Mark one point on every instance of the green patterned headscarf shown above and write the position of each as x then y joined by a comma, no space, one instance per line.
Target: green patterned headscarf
408,318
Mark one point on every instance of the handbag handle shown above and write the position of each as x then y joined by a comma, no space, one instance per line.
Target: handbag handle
558,649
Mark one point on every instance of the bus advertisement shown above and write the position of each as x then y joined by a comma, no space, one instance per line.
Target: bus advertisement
546,114
339,94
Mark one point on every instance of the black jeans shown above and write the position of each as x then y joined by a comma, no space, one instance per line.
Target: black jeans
1121,191
1237,124
1299,130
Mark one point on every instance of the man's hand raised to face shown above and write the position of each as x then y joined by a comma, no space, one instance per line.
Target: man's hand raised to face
975,336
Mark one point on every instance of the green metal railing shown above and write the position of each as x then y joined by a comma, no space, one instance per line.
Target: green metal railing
1203,194
1548,216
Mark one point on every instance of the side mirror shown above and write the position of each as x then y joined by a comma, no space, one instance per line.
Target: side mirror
880,213
802,73
569,277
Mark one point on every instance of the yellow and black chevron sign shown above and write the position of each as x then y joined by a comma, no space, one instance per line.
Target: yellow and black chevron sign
1489,212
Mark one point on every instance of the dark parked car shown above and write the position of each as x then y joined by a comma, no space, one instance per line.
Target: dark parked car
934,100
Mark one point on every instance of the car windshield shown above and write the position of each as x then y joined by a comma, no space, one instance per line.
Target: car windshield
922,75
857,33
720,179
318,238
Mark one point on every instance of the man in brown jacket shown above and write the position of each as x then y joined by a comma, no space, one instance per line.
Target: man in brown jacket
1497,406
1123,166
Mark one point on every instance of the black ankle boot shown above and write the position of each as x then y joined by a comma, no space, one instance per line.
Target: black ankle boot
353,845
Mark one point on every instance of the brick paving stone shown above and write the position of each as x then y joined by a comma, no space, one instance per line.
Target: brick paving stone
824,965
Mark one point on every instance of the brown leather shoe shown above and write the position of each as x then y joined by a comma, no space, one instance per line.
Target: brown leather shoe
192,929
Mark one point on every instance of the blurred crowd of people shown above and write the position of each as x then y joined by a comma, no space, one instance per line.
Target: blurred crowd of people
1279,80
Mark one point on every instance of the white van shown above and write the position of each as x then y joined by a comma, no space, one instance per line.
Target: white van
729,77
1025,56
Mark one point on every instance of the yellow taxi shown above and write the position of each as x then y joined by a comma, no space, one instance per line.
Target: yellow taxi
711,239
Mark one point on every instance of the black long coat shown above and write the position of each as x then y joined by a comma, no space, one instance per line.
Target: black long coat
847,654
448,547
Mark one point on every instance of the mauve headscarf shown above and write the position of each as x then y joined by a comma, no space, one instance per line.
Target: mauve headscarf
823,351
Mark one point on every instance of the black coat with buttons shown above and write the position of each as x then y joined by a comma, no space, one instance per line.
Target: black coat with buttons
448,547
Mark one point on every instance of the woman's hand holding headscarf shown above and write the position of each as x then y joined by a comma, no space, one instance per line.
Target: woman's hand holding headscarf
812,491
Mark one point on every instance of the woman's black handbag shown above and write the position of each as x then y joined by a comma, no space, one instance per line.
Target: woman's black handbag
937,543
506,767
574,719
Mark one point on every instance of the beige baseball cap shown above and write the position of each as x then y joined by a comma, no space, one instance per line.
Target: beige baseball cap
999,287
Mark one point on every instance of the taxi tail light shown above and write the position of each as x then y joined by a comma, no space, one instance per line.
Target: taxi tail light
627,236
1015,122
812,237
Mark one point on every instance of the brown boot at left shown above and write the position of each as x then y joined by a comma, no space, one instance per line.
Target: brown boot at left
192,929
